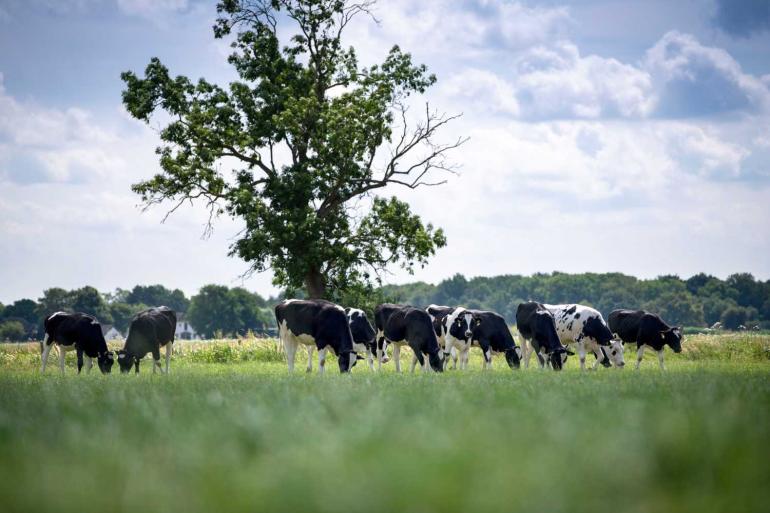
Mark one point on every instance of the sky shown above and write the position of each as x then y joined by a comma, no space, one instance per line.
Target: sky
629,136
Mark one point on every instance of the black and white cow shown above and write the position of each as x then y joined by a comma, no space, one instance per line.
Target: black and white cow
490,332
412,326
382,313
646,330
437,315
538,329
319,324
364,339
80,332
149,331
585,327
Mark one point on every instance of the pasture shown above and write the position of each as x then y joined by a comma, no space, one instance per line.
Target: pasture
230,430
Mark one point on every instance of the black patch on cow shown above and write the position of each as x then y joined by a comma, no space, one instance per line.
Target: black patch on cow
149,331
85,333
570,310
577,315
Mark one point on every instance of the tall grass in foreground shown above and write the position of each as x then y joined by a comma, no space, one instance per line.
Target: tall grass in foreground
230,430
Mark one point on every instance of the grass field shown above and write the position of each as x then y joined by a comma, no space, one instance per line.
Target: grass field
229,430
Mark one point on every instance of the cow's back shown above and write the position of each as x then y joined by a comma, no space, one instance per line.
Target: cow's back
494,329
625,323
524,313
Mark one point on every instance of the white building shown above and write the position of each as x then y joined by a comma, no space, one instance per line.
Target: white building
184,330
111,333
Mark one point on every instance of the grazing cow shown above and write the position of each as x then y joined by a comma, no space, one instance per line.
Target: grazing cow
716,326
538,328
409,325
647,330
364,339
741,328
319,324
585,327
381,315
437,315
149,331
80,332
756,327
491,333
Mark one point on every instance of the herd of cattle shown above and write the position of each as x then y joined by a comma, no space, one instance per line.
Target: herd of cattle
436,335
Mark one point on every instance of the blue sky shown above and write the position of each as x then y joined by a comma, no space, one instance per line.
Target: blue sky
628,136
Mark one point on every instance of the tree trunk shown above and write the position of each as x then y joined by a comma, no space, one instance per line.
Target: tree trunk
314,284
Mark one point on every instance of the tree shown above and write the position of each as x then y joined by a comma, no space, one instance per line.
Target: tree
88,300
230,311
345,130
122,313
158,295
55,300
26,309
12,331
735,316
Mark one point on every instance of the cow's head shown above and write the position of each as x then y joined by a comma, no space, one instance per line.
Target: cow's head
436,361
673,337
558,357
513,357
348,360
462,326
105,361
614,353
126,361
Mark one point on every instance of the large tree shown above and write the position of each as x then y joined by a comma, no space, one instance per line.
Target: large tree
308,135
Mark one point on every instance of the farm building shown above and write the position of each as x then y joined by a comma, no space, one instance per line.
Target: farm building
184,329
110,332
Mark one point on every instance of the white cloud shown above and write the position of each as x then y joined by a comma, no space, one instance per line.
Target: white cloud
692,79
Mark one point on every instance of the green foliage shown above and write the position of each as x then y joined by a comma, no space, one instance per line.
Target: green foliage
88,300
158,295
24,309
311,217
217,308
12,331
122,313
698,301
55,300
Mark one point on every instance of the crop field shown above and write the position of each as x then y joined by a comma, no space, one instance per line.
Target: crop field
230,430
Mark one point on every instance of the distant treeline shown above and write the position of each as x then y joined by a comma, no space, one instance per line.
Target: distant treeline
215,310
700,300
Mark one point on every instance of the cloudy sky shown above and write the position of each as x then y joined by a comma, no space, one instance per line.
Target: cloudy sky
605,135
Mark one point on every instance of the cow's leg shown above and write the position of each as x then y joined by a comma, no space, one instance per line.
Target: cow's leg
310,358
639,356
541,359
414,362
321,360
44,354
370,358
454,358
463,356
448,348
169,350
89,364
527,352
61,358
600,357
397,356
80,359
156,360
660,360
488,359
290,346
582,355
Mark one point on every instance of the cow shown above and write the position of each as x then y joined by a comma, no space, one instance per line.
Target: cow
410,325
382,313
80,332
319,324
646,330
361,329
490,332
538,329
585,327
437,315
148,332
716,326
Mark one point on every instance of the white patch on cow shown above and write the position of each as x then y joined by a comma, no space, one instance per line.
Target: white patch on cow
453,344
55,314
289,301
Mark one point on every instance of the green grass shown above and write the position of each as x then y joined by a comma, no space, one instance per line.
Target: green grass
229,430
